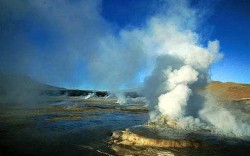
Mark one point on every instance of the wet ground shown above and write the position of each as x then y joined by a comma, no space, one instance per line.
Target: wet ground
148,141
65,126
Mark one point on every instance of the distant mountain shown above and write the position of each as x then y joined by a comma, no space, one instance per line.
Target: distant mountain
15,84
229,90
21,83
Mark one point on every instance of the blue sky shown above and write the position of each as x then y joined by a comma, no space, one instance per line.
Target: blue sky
231,23
228,21
54,41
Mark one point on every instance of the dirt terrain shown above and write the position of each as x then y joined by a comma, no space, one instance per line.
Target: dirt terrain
149,139
229,91
45,120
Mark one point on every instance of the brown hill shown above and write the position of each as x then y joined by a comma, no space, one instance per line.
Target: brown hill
229,90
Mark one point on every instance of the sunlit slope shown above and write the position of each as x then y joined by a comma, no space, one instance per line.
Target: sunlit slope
229,90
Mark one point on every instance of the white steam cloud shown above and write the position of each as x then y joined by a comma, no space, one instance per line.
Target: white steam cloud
167,50
181,69
169,47
223,120
173,103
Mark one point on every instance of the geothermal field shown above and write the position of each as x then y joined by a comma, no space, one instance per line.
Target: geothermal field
76,122
124,77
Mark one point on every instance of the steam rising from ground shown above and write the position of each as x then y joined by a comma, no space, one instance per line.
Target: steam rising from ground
166,53
224,120
181,72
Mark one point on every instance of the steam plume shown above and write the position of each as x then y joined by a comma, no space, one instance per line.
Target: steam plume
181,73
166,53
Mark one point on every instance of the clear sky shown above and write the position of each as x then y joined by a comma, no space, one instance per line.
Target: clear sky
227,20
231,23
55,42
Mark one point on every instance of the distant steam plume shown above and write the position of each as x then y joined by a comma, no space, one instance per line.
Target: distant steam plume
79,46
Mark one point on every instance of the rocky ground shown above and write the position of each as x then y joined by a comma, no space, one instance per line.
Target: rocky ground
62,124
165,138
145,140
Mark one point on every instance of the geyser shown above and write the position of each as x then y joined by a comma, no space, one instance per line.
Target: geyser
181,72
165,53
176,62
